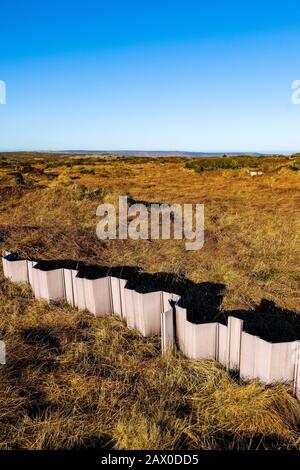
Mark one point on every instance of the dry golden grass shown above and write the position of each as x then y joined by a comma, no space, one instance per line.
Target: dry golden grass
74,381
252,224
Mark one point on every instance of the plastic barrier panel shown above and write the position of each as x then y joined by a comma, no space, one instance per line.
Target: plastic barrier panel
297,370
116,296
222,351
282,363
167,331
247,362
15,270
143,311
97,294
49,285
234,332
79,292
69,275
30,266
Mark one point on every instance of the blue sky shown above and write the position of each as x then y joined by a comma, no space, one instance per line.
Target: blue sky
167,75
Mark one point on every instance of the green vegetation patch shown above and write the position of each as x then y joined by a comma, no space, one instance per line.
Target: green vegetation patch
232,163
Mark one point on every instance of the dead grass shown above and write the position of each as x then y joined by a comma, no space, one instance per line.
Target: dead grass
73,381
251,241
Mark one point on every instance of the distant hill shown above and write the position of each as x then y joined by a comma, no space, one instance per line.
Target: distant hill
160,153
129,153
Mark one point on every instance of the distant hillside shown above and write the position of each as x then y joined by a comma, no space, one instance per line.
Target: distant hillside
161,153
127,153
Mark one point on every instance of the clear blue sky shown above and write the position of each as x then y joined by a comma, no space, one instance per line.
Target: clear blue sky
150,74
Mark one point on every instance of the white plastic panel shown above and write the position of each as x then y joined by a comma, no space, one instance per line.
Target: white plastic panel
222,352
150,320
35,278
116,296
48,285
15,271
56,285
234,331
30,266
202,340
129,304
98,296
247,362
79,292
69,275
180,327
297,370
262,360
4,265
282,363
166,297
167,330
122,295
196,341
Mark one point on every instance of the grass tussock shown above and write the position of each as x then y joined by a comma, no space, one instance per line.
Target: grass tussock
74,381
